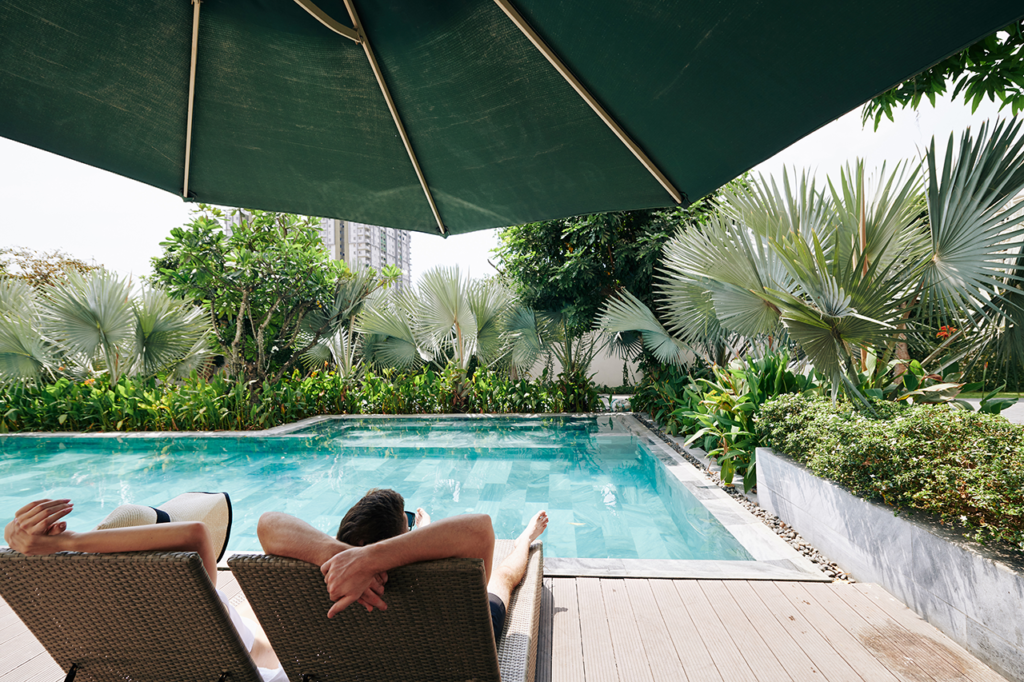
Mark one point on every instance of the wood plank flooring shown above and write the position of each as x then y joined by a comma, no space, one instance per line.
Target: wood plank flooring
619,630
719,631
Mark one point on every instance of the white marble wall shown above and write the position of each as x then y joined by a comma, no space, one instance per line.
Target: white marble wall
971,592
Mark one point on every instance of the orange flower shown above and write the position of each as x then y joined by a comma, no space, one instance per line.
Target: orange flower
945,332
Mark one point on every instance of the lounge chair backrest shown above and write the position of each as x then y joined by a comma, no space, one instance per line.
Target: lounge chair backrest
141,616
437,625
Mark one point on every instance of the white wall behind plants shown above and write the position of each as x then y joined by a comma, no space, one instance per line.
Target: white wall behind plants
607,368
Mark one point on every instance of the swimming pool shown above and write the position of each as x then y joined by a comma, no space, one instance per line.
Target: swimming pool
605,492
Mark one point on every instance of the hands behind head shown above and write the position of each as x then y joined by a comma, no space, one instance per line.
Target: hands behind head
350,579
36,526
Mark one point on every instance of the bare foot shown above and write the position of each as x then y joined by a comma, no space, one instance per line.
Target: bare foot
534,528
422,517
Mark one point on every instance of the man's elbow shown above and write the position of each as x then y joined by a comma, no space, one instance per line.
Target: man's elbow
267,529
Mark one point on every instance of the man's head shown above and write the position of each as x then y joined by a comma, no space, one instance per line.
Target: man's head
379,515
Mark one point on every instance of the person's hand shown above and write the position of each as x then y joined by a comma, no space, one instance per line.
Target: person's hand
376,588
36,526
350,577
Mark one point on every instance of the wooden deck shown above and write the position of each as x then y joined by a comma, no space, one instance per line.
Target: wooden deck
608,630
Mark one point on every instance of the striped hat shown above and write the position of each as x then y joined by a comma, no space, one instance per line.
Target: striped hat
213,509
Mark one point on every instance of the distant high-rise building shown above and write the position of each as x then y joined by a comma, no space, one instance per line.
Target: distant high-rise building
360,244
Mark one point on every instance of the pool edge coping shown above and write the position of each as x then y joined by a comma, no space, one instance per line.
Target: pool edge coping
774,558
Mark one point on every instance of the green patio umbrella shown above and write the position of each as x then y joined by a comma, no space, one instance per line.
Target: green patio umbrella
454,115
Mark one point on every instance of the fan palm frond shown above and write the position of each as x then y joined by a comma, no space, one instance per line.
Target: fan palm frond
92,316
444,312
624,312
885,213
167,331
386,323
23,353
489,302
970,234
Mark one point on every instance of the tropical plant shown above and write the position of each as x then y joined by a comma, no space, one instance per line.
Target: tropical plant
220,402
451,319
856,272
258,280
967,469
992,67
90,325
341,343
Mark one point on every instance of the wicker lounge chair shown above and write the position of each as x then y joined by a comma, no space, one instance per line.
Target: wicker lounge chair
436,627
143,616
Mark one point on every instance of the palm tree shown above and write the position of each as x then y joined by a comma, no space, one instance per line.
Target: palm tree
854,271
330,334
449,319
92,325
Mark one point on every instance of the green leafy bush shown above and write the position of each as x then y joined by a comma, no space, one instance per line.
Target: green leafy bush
716,407
965,467
196,404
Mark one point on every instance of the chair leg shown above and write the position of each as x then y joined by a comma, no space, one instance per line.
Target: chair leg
71,673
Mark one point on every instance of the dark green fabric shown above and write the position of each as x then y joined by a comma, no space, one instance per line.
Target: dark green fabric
289,117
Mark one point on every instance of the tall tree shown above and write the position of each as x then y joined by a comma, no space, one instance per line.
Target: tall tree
992,67
258,282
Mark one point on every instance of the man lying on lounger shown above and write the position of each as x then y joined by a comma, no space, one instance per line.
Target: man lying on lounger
374,538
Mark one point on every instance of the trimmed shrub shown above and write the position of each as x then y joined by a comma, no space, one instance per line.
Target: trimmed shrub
964,467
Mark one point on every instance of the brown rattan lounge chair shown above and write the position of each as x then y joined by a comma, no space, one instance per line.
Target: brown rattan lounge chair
143,616
437,625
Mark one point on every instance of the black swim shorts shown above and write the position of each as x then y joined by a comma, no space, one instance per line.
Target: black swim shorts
497,614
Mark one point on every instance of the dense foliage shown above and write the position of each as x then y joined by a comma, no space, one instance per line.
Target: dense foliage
964,467
992,67
85,326
223,404
717,407
569,266
920,262
260,282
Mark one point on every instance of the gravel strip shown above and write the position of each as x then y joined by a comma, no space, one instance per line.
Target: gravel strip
784,531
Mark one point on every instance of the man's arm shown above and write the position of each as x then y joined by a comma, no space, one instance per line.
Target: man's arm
349,573
282,534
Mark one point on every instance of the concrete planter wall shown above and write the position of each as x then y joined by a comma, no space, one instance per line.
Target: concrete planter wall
971,592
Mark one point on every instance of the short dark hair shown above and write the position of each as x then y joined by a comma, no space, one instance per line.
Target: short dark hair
379,515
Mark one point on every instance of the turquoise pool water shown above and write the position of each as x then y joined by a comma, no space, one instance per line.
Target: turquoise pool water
604,493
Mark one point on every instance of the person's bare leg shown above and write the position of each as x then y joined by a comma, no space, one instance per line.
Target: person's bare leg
262,653
511,571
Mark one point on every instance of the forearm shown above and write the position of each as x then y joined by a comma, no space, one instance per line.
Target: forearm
170,537
182,537
284,535
469,536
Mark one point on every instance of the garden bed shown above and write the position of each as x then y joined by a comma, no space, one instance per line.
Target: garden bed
933,479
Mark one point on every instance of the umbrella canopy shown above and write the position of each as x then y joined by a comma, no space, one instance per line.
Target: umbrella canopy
453,115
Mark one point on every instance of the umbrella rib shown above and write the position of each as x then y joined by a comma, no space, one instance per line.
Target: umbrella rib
323,18
562,69
191,94
379,75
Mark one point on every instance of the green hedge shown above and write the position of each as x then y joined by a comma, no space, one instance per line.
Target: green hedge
222,404
966,468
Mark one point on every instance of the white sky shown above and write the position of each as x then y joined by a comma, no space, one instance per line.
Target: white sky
49,202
